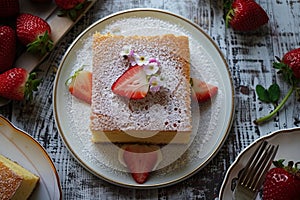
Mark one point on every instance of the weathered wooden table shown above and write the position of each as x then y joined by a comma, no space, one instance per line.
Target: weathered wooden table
250,57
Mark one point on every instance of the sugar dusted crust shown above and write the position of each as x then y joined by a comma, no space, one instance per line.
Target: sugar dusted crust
159,118
9,182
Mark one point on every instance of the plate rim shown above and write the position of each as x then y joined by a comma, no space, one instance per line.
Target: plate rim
248,148
215,150
17,130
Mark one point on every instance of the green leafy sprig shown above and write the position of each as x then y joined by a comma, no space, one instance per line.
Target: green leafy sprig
272,94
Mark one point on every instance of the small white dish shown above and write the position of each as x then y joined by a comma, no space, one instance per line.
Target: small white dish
72,116
20,147
288,141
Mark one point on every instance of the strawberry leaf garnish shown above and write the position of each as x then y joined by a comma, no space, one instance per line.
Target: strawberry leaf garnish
270,95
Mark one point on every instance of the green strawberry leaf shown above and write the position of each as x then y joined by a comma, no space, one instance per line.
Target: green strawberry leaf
262,94
274,93
270,95
278,163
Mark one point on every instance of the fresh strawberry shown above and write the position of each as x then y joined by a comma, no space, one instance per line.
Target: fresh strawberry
203,91
80,85
70,7
7,47
17,84
34,32
140,160
282,182
133,83
9,8
292,59
246,15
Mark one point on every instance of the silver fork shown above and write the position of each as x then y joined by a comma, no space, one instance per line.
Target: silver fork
252,176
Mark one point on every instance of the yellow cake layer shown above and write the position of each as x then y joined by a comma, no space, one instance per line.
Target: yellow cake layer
21,181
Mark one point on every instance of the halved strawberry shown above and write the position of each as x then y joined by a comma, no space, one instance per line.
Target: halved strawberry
80,85
133,84
203,91
140,160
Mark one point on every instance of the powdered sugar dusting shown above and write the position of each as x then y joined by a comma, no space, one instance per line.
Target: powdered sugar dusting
204,116
165,110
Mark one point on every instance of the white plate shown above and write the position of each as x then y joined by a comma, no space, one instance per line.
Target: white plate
72,116
26,151
288,140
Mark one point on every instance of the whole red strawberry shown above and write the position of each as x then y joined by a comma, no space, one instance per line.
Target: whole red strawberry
246,15
34,32
69,7
292,59
282,182
7,47
18,84
9,8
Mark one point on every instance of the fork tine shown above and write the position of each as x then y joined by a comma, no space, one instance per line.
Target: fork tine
255,156
260,167
266,167
257,166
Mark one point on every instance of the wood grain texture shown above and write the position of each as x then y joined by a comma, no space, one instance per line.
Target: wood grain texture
250,57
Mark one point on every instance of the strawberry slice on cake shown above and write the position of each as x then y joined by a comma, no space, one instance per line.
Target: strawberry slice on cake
133,84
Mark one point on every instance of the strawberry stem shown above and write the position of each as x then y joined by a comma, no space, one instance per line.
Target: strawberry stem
269,116
41,45
31,86
229,17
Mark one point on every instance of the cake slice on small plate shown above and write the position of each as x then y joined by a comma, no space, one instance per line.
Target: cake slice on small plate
16,182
